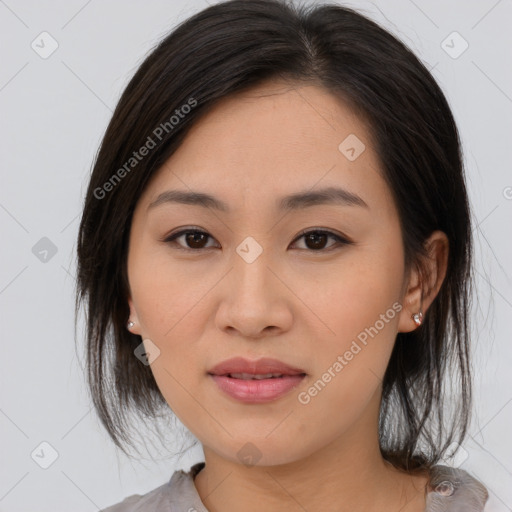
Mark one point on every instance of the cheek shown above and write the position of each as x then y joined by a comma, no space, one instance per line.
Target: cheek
166,294
352,293
170,300
359,311
169,310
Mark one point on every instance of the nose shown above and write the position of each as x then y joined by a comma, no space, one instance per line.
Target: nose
255,301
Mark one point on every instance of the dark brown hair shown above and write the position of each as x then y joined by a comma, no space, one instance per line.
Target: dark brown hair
228,48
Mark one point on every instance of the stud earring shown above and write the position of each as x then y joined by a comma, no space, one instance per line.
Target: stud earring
418,317
130,324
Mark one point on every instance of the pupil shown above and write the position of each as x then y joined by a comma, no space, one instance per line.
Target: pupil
314,237
194,237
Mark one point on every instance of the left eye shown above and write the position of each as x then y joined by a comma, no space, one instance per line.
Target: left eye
317,237
195,239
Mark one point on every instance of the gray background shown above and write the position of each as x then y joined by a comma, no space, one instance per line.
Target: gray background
53,114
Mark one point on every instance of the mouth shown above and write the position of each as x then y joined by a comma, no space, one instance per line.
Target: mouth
245,369
256,389
259,381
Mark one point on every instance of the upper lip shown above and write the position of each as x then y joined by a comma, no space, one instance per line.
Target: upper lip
259,367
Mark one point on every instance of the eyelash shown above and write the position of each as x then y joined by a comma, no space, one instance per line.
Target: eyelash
341,240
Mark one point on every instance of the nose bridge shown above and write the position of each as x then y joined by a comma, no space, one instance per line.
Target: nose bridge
254,299
251,299
251,272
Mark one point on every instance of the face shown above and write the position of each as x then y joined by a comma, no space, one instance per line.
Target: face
249,283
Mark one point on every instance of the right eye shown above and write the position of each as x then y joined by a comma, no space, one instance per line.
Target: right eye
194,237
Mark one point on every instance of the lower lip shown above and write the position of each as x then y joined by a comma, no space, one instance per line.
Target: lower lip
257,391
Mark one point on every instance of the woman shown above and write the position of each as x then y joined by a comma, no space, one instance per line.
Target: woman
276,247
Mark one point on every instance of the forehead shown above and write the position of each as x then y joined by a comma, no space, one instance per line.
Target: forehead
273,140
273,124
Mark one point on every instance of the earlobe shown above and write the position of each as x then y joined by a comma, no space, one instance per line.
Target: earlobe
411,315
425,283
132,323
418,317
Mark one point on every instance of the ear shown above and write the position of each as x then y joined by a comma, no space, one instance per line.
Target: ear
424,283
135,329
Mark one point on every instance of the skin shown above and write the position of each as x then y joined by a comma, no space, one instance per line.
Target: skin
293,303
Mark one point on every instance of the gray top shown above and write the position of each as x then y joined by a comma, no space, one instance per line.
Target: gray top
450,490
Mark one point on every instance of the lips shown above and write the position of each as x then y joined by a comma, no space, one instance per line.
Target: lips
257,391
256,382
265,368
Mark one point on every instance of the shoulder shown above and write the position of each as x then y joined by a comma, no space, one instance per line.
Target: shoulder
172,495
149,502
454,490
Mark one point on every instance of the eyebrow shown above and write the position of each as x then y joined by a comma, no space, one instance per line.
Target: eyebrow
296,201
